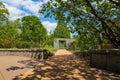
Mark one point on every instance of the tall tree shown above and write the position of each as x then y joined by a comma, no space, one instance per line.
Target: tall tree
8,35
61,30
83,16
32,30
3,12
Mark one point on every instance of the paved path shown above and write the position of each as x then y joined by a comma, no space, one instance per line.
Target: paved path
62,52
65,66
13,66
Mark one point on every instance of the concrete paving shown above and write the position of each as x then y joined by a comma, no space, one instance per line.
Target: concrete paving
13,66
62,66
65,66
62,52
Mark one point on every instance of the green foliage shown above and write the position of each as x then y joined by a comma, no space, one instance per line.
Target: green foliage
86,42
32,30
50,54
61,30
3,12
49,40
50,49
8,35
24,44
27,32
87,16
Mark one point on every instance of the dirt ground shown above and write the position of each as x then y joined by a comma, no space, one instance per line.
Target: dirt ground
62,52
13,66
65,66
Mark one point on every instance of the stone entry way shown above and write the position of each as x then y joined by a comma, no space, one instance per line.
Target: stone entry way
65,66
62,44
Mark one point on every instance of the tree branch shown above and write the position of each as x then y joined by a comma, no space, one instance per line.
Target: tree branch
110,33
116,3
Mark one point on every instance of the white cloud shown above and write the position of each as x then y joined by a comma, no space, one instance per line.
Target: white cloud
12,2
19,8
32,6
50,26
15,12
45,1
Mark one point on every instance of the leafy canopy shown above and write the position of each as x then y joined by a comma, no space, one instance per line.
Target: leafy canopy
61,30
32,29
8,35
3,13
87,16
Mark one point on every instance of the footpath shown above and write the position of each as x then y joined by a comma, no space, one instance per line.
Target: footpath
66,66
13,66
63,66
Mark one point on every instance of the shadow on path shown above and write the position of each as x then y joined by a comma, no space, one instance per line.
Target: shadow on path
27,64
67,67
13,66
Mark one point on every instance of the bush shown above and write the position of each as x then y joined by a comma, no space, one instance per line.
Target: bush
49,48
50,54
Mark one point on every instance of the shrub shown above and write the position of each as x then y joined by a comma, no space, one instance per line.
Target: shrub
50,54
49,48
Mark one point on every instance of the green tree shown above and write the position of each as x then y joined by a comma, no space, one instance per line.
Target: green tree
32,30
61,30
8,35
3,13
93,16
50,39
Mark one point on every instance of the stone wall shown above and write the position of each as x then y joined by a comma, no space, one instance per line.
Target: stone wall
106,59
36,54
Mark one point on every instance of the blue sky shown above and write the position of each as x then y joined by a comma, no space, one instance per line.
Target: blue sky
20,8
